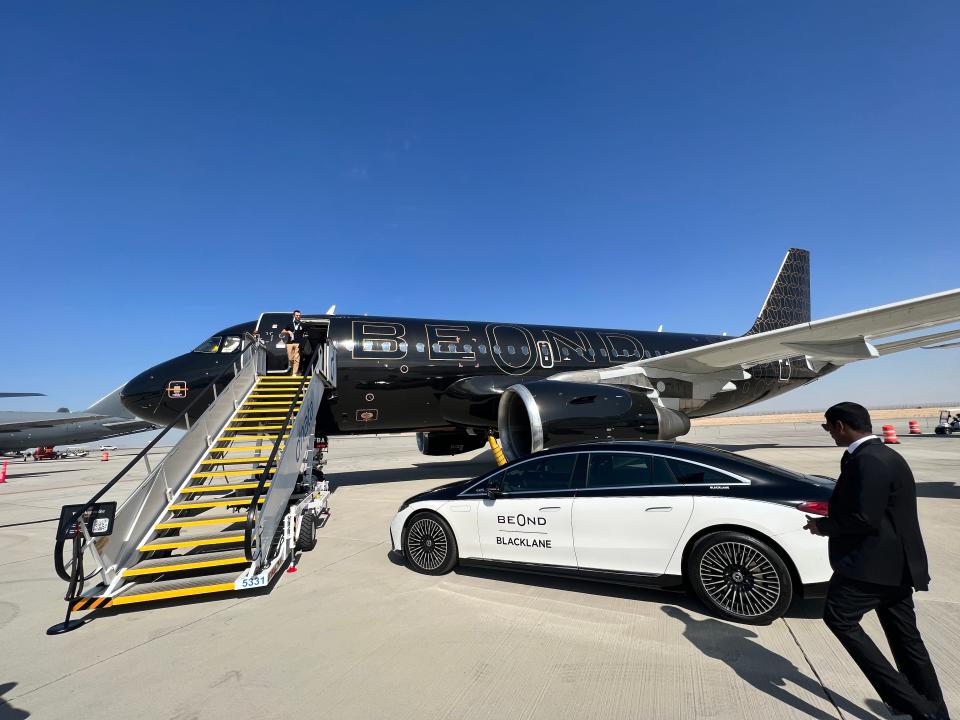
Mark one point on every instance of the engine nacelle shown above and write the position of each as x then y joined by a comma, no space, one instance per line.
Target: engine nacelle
546,413
448,442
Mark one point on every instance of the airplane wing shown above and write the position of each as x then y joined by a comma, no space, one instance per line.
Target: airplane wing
837,340
13,421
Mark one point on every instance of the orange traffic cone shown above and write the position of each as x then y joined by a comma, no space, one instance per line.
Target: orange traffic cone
104,456
914,427
890,435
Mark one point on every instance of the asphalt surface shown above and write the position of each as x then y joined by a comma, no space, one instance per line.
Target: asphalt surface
352,634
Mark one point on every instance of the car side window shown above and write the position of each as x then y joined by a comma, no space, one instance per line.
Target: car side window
554,472
688,473
613,470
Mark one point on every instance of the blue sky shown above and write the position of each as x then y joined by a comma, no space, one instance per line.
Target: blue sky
167,169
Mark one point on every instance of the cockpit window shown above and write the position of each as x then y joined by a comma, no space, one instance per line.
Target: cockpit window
231,343
210,345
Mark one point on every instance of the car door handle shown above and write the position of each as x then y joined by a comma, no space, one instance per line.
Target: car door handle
552,508
660,508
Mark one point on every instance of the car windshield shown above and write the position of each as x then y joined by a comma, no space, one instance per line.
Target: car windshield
210,345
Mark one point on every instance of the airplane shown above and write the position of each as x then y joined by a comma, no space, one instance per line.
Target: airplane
535,386
106,418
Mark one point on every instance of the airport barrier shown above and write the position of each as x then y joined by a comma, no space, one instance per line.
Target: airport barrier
890,435
914,427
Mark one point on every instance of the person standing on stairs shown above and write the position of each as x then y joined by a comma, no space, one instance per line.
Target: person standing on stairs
294,335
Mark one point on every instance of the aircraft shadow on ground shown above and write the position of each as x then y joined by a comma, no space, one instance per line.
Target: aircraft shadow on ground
449,471
18,475
765,670
8,711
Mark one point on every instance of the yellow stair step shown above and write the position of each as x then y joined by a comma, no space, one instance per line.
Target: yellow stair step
227,502
260,419
223,488
227,473
174,543
189,562
265,402
245,438
264,427
234,461
246,448
174,523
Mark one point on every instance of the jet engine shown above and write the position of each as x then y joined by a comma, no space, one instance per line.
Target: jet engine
448,442
546,413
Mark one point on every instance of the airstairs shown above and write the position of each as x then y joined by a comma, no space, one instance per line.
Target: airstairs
225,509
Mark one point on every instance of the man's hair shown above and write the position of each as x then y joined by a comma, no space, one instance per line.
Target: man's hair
854,416
296,311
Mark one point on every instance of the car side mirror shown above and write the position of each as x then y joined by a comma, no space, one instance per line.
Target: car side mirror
493,492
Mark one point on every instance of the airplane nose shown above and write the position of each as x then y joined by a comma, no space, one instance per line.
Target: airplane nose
143,394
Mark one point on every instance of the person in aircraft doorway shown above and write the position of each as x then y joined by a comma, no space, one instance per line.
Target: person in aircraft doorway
294,335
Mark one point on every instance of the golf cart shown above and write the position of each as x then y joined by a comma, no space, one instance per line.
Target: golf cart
949,422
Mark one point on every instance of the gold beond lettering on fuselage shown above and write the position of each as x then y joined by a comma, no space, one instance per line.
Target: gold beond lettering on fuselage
445,342
379,340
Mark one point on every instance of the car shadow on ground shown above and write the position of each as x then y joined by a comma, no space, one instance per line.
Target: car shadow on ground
8,711
946,490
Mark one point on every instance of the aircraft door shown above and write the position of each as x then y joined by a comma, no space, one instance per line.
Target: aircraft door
269,328
546,354
785,370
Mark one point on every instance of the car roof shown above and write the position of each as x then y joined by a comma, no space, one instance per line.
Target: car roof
723,459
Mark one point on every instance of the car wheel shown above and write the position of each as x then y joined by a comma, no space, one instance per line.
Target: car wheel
429,545
740,577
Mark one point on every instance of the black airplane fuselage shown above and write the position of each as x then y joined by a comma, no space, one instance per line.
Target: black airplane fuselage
405,374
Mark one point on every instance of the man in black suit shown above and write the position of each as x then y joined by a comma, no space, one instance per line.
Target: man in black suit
878,558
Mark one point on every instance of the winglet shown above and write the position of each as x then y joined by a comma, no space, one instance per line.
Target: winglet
788,302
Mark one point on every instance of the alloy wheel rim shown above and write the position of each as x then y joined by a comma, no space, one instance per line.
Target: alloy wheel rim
740,579
427,544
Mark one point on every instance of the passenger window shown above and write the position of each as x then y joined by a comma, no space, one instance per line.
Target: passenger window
619,470
210,345
482,349
554,472
511,350
688,473
468,347
421,347
231,343
525,350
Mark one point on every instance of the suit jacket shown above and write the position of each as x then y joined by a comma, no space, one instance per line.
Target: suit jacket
872,526
299,331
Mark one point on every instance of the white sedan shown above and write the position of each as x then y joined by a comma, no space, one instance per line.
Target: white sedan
667,515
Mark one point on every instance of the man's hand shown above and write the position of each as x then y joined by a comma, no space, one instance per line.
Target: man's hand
812,526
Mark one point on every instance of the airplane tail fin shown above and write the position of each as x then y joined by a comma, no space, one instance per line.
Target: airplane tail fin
788,302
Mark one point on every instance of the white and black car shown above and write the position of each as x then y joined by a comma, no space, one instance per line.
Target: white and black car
667,515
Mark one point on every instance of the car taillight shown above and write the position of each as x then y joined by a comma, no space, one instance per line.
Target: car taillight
814,507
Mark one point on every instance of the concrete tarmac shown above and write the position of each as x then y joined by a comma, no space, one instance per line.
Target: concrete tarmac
354,635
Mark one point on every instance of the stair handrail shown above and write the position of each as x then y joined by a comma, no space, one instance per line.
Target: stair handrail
58,550
251,522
